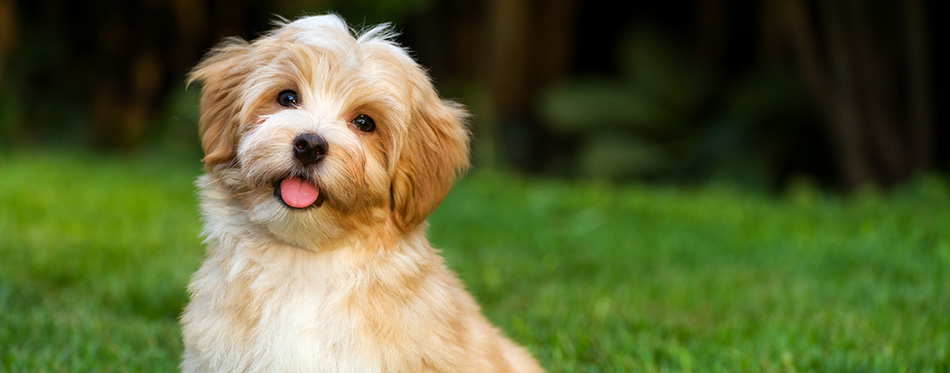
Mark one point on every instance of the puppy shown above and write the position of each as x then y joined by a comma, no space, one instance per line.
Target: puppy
325,151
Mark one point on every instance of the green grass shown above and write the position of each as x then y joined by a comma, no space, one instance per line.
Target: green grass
95,253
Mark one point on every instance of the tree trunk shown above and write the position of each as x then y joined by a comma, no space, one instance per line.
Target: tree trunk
919,99
853,76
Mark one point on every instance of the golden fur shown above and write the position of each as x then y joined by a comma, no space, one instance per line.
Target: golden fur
352,285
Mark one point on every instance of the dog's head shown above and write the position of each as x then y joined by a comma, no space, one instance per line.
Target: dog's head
317,131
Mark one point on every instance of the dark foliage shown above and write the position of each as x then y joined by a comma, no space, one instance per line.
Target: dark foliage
754,92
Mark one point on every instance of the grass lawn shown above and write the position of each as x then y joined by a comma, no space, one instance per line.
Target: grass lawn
95,253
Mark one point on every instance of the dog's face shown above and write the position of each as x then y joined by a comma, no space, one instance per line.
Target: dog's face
318,133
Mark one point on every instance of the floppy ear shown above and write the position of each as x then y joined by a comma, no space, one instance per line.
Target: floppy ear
222,74
434,154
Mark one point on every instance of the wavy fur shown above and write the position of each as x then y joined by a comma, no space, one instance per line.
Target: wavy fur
352,285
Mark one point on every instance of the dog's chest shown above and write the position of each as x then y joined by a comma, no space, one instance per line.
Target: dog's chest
263,320
311,329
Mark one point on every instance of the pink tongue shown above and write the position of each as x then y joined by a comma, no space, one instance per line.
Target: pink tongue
298,193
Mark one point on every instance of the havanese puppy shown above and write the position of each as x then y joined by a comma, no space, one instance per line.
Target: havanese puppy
325,152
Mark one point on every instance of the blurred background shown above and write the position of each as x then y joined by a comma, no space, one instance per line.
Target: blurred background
724,138
838,94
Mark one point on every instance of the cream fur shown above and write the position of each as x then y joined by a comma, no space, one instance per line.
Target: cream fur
352,285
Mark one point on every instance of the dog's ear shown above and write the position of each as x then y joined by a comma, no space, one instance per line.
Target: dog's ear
221,73
435,153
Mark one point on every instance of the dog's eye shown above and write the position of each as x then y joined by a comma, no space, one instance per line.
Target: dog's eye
364,123
288,98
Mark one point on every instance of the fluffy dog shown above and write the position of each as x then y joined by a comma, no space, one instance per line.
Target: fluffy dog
325,152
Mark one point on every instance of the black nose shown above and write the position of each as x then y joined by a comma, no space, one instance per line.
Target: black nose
310,148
